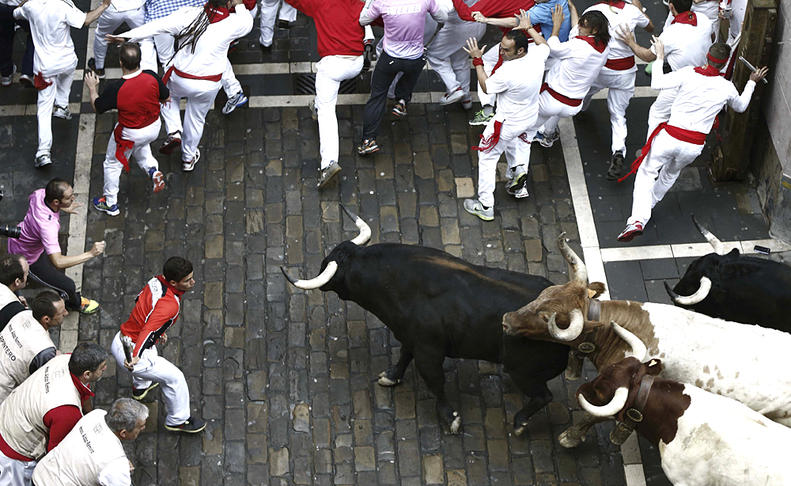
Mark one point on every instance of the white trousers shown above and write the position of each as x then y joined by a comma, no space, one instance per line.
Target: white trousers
269,13
230,84
448,59
15,473
159,46
142,137
331,70
155,368
550,111
200,94
660,109
650,184
56,93
620,89
108,22
515,142
490,59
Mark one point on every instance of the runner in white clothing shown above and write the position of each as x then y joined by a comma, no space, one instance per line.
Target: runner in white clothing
203,35
702,94
618,73
516,84
130,12
54,60
568,81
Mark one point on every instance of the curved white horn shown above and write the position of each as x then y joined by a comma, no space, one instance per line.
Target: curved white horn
315,282
365,230
570,333
639,350
699,295
713,240
616,404
577,270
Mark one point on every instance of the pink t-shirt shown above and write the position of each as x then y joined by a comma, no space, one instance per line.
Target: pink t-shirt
39,230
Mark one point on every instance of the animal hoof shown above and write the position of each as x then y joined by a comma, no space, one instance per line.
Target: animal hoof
570,439
385,381
456,424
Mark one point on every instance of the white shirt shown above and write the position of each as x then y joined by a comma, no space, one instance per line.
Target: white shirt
579,66
686,45
700,98
125,5
50,23
211,50
621,19
517,83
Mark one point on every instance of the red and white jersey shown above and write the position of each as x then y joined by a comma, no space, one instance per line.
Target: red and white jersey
578,65
621,16
211,50
700,97
686,40
517,83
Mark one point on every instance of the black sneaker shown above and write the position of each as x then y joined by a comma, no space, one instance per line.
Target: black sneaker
140,393
92,67
193,425
615,170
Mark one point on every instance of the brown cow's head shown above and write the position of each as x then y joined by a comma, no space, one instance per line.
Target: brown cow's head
616,386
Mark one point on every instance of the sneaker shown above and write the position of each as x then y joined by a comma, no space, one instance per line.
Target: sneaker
158,178
474,206
327,173
100,203
92,67
368,147
189,165
481,118
140,393
42,160
88,306
518,181
7,80
26,80
193,425
521,192
545,140
173,139
61,112
631,230
466,102
399,109
234,102
615,171
452,97
314,113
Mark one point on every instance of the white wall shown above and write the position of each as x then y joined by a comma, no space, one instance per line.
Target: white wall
777,107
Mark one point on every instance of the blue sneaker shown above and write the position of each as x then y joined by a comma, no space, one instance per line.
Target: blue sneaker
234,102
100,203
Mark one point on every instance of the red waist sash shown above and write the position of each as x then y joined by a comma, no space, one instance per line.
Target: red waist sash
689,136
562,98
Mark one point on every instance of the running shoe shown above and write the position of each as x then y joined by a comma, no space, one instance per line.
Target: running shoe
88,306
100,203
481,118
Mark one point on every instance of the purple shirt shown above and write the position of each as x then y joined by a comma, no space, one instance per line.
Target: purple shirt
39,230
404,22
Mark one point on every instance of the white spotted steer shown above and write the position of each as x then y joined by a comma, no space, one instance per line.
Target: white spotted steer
744,362
704,439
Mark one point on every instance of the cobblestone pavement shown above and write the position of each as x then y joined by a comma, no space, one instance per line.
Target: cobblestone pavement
286,378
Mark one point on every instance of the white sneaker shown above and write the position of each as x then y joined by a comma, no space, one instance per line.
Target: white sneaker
518,181
42,160
189,165
234,102
466,102
474,206
449,98
547,140
61,112
7,80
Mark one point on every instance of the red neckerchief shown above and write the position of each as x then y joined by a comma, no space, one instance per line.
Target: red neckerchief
709,70
615,3
83,389
176,291
688,18
598,45
216,14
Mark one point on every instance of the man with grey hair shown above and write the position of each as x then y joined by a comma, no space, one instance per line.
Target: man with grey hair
92,452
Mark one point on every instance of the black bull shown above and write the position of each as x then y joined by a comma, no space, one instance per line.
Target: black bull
438,305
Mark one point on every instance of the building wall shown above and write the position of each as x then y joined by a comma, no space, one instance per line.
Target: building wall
777,107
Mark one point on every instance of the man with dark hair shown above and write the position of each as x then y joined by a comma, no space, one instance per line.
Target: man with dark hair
92,452
686,40
137,96
156,309
40,234
701,93
14,270
41,411
516,83
25,341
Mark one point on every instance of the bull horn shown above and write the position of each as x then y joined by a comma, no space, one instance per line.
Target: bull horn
638,349
315,282
699,295
570,333
715,242
365,230
577,270
616,404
